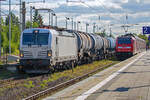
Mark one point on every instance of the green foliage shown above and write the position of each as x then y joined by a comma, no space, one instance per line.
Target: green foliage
28,24
44,83
50,79
143,37
15,31
37,18
29,84
15,34
35,25
14,20
135,34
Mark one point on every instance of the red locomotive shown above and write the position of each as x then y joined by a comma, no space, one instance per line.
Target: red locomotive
129,45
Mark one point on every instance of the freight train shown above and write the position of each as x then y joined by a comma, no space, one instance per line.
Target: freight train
42,49
129,45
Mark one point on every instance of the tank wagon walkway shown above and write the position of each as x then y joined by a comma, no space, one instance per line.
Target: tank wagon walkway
128,80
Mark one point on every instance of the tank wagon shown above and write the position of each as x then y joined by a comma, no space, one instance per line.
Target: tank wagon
129,45
42,49
89,46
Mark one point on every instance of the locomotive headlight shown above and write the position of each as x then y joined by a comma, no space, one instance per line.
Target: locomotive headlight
21,54
128,47
49,53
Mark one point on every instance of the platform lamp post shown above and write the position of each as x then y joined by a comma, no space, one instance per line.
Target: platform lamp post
78,22
10,27
87,27
110,29
97,28
51,19
55,18
75,26
72,23
94,27
67,22
53,14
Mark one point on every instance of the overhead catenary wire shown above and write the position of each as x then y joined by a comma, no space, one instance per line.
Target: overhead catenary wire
108,10
97,10
125,29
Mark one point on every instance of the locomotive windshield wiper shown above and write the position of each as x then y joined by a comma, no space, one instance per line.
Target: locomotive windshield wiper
29,45
39,45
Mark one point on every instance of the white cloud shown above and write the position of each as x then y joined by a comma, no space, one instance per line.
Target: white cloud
116,7
140,14
146,1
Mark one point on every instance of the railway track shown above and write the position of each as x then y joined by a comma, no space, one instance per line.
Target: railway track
14,81
6,81
65,84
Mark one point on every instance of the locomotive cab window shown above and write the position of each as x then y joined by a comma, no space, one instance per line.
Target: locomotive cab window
42,39
124,40
28,39
35,39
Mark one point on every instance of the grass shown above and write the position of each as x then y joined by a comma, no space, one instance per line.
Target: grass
32,86
78,71
1,62
29,85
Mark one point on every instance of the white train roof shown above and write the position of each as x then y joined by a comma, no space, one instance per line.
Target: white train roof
52,31
41,30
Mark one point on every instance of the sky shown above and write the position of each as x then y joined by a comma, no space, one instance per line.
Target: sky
112,13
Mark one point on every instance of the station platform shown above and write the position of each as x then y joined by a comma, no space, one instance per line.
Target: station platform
128,80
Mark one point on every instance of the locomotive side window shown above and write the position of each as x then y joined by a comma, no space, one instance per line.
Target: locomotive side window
124,41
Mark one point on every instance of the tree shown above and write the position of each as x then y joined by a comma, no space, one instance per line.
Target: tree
14,20
37,18
135,34
15,34
143,37
28,24
40,20
35,25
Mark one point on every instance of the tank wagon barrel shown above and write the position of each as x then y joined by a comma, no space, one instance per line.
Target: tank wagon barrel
112,43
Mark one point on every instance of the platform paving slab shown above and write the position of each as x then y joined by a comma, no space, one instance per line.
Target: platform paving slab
132,84
119,88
